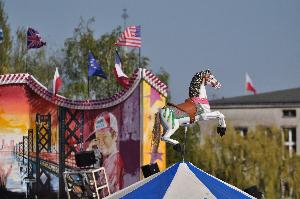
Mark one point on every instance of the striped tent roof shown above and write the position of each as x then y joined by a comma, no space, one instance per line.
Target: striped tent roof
180,181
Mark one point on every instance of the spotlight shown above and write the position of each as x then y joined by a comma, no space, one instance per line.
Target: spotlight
150,169
85,158
253,191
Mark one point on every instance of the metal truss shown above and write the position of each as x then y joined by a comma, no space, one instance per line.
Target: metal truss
42,144
25,150
30,151
71,123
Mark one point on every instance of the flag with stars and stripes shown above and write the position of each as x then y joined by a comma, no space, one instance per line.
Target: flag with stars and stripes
131,37
94,68
34,39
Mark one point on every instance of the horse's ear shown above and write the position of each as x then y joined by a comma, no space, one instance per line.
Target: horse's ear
207,71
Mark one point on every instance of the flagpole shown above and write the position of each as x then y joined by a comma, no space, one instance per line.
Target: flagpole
139,58
26,51
88,87
26,60
88,83
245,84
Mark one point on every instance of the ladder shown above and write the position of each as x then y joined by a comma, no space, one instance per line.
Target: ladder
86,184
97,181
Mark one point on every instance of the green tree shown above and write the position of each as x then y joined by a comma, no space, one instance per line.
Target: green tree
293,176
72,62
75,68
164,76
257,159
36,61
191,143
41,67
19,50
5,46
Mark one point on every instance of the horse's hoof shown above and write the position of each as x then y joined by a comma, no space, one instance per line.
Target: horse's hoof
177,147
221,131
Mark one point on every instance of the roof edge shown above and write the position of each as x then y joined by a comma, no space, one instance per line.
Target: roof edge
155,82
42,91
254,106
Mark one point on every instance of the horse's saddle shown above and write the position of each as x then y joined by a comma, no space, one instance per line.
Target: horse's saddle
188,107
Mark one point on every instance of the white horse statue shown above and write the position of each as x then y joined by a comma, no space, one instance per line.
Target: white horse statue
194,109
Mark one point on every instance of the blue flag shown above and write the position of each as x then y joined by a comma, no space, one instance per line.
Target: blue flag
94,68
1,35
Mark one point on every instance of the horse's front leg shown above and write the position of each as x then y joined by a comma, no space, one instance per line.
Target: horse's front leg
221,129
170,125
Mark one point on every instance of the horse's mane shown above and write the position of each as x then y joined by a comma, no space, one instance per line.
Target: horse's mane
195,84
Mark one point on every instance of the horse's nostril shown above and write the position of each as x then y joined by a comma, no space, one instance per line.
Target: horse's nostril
218,85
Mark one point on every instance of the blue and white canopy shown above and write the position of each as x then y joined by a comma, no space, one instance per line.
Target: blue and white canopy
182,180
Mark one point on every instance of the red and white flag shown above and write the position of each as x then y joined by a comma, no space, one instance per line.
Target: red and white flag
57,82
120,76
131,37
249,84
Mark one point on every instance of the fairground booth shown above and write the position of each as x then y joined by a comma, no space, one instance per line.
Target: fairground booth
40,135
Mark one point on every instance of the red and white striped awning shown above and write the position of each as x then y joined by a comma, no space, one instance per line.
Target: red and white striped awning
41,90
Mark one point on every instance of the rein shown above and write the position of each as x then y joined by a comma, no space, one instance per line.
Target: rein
200,100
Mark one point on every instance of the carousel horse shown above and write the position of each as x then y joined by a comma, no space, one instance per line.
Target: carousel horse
194,109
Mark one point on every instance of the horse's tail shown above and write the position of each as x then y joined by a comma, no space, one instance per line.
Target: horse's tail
156,132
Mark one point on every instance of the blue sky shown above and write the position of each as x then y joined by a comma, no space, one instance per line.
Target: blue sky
230,37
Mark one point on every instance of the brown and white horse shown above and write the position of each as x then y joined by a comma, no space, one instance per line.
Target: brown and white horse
195,108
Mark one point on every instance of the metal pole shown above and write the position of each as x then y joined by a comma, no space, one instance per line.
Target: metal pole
23,154
184,146
26,70
61,167
139,58
26,52
88,87
49,132
124,16
37,152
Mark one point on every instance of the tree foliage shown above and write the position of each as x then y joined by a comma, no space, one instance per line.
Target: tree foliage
72,61
259,159
6,44
33,61
164,76
75,67
192,144
19,50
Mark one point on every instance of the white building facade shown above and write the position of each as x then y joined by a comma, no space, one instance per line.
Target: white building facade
280,109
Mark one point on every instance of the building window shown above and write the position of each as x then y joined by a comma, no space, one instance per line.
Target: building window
289,138
289,113
242,131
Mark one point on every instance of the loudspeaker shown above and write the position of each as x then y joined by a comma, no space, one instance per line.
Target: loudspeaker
85,158
150,169
253,191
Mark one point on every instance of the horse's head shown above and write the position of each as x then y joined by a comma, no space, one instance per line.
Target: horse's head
199,78
210,79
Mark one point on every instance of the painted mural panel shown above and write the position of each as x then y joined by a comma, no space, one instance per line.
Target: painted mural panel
114,135
14,122
152,101
38,105
18,108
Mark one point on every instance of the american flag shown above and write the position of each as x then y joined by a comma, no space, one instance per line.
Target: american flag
131,37
34,40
